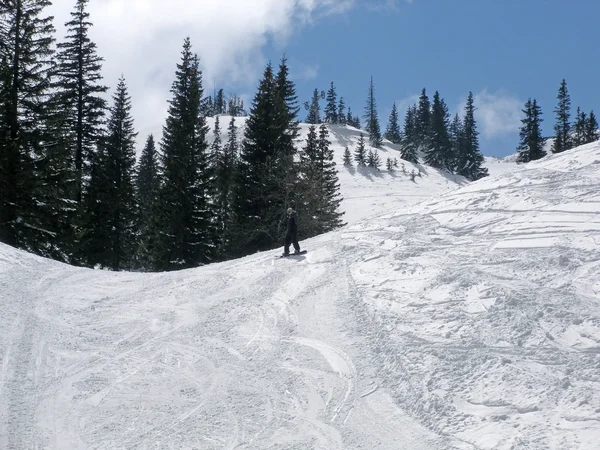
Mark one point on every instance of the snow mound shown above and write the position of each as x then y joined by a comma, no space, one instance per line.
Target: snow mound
468,321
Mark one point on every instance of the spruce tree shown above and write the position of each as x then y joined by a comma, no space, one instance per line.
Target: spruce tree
531,144
310,182
220,171
331,109
456,140
341,115
78,85
373,159
26,217
329,217
469,162
320,186
371,118
110,228
591,129
187,235
389,164
215,148
286,106
347,157
226,173
314,109
266,176
562,128
392,133
423,122
579,128
410,140
220,105
350,118
147,189
439,153
360,154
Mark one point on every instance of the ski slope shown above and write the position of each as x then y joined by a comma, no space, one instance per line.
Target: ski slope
466,320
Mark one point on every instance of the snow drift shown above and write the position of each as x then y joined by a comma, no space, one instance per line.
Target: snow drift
468,321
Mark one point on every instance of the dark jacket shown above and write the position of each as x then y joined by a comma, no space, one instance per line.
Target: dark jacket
292,222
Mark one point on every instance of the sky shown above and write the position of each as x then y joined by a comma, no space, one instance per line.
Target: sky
504,52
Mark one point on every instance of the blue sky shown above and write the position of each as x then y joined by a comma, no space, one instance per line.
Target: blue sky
504,51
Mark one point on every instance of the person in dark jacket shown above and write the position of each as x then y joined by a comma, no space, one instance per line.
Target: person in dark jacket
291,236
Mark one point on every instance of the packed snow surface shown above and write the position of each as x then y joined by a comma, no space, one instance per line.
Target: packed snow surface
470,320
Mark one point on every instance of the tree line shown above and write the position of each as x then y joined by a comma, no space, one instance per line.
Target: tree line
567,135
72,189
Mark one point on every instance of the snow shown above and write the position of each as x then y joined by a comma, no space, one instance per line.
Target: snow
368,192
464,318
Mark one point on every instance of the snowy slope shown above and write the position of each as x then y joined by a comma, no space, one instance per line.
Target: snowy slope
497,166
368,192
470,320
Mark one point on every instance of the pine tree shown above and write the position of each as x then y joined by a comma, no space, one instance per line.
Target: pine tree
266,175
439,153
360,154
562,128
79,74
220,105
410,139
287,131
26,218
531,144
320,186
147,189
347,157
392,133
469,162
350,118
187,235
579,128
373,159
314,109
235,106
456,140
371,118
110,230
331,109
329,217
340,113
591,129
220,171
423,122
215,148
389,164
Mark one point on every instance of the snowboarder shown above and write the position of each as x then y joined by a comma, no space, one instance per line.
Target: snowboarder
291,236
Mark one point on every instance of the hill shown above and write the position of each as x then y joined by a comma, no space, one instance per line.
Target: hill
470,320
368,192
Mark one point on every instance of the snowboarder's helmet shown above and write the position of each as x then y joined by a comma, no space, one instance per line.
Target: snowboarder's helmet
289,211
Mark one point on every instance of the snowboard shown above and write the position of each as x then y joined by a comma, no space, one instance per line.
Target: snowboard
302,252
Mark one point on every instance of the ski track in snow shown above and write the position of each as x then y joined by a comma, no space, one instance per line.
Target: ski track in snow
467,321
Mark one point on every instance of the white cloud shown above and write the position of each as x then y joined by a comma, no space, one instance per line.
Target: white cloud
142,39
496,113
